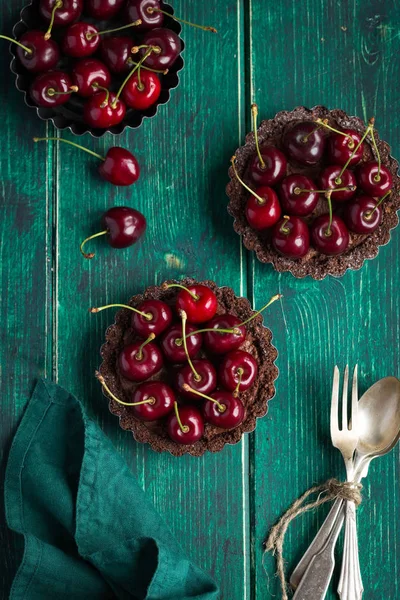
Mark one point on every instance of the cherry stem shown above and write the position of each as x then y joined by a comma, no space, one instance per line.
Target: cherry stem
260,200
328,232
96,86
147,316
56,6
161,71
283,227
378,157
254,113
91,237
101,379
166,286
139,355
183,428
234,330
184,319
271,301
90,36
348,188
5,37
305,138
324,123
117,95
151,10
56,139
369,129
135,49
52,92
240,372
140,85
368,215
187,388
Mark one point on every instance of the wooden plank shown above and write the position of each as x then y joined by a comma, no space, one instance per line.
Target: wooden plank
25,259
183,152
341,54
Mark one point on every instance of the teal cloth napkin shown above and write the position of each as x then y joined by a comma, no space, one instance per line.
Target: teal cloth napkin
89,530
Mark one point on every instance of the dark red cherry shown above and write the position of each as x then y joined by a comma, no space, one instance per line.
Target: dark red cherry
274,166
120,167
205,385
161,318
192,423
138,363
124,226
103,9
51,89
227,414
291,238
238,366
329,239
158,400
329,179
361,215
172,343
293,199
101,111
263,210
219,342
373,181
341,147
141,93
115,52
198,301
168,44
89,73
138,9
68,12
305,143
80,40
43,55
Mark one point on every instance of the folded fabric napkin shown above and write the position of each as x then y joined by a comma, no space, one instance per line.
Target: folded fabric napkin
89,530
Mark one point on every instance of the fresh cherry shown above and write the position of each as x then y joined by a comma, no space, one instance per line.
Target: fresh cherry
103,110
238,371
166,48
61,12
220,342
158,318
332,178
373,180
291,238
362,215
88,75
172,343
142,90
34,52
138,9
115,52
329,235
186,426
204,381
271,170
341,148
140,360
305,143
198,301
154,400
297,195
262,208
80,40
51,89
103,9
223,410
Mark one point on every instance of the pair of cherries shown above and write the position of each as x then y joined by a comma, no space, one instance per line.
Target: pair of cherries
221,335
297,195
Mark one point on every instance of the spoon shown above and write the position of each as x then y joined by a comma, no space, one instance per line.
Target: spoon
379,419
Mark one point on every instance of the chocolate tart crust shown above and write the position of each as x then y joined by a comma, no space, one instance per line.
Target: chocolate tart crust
314,264
258,342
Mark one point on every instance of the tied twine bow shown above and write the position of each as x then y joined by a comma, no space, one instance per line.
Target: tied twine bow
327,492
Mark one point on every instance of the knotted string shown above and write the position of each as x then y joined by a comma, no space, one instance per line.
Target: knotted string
327,492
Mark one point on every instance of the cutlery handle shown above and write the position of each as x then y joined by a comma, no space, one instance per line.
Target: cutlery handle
319,541
350,584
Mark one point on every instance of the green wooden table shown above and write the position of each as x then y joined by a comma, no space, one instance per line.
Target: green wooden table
280,54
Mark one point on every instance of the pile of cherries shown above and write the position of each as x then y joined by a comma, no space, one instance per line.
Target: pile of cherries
205,366
353,190
138,58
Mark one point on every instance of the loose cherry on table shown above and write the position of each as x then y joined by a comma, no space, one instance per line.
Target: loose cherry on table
60,12
149,317
34,52
173,346
140,360
364,214
221,408
165,47
342,182
90,74
52,88
122,225
198,301
375,179
238,371
104,9
298,195
269,164
186,426
81,39
290,237
203,379
305,143
142,90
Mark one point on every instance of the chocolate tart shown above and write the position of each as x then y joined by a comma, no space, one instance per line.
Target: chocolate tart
258,342
314,264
